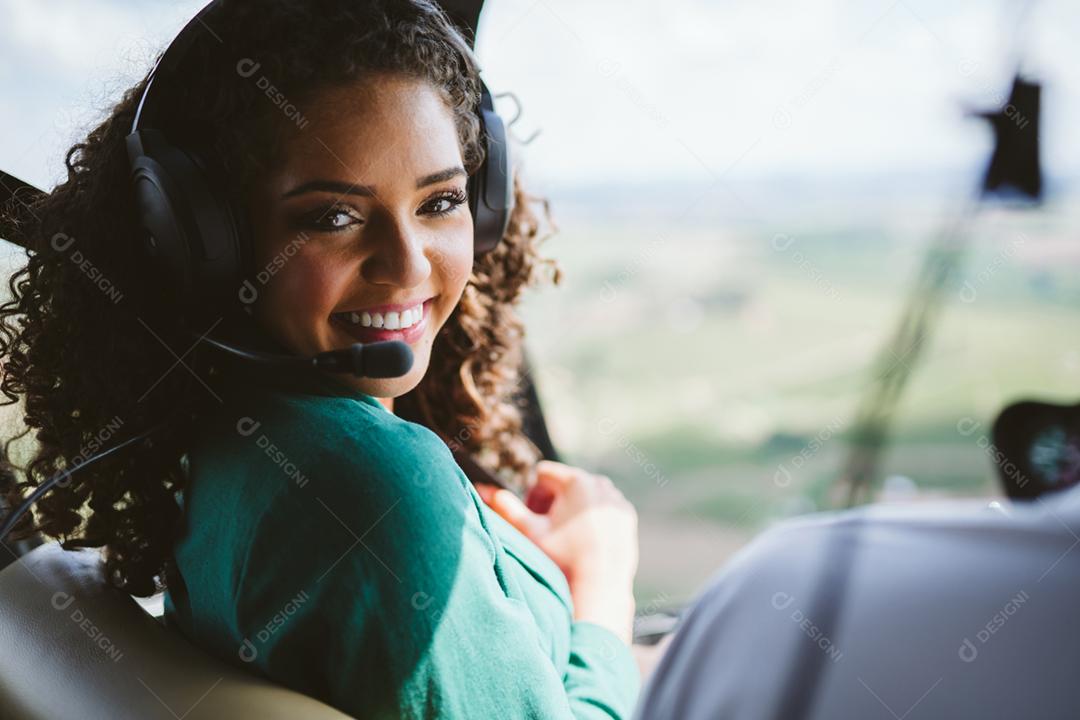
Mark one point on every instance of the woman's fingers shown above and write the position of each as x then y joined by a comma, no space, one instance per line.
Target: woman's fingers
555,474
552,479
510,507
485,491
515,512
539,498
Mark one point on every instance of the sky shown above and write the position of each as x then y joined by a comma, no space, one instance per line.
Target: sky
626,92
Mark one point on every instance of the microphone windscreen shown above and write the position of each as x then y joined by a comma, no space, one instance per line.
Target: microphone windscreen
386,359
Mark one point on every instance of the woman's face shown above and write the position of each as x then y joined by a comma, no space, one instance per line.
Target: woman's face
363,226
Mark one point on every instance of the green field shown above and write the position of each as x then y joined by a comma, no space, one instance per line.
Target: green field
693,366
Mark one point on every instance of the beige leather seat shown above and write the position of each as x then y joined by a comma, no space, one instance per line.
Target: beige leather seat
73,647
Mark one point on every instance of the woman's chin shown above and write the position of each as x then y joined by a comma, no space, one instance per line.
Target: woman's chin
382,387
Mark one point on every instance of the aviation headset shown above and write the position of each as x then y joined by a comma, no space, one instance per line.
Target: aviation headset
198,242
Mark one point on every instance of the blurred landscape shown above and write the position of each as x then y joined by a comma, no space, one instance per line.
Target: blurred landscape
711,361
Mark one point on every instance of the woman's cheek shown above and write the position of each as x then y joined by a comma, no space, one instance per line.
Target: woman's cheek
462,271
460,261
301,296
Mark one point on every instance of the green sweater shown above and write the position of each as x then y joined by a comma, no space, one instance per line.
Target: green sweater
339,550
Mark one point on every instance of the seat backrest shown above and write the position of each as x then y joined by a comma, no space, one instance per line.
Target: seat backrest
74,647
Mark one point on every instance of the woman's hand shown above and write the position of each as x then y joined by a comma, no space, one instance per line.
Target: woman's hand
585,525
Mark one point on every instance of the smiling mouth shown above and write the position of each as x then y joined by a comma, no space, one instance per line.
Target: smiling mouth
406,325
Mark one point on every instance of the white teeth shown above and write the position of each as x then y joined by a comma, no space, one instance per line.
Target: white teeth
390,320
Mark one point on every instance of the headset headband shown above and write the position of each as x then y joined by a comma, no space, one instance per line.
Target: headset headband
170,59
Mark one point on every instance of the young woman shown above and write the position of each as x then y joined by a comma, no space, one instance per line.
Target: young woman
315,527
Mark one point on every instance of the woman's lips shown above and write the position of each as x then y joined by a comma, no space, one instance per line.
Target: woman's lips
373,334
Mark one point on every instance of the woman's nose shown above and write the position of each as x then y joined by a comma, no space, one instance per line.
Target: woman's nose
397,254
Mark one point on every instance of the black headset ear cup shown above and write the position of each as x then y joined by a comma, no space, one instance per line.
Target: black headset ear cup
491,191
192,238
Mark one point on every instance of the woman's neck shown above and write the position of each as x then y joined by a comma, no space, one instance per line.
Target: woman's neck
388,403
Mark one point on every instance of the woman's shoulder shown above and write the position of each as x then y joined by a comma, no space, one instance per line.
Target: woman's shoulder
343,450
305,486
329,509
353,498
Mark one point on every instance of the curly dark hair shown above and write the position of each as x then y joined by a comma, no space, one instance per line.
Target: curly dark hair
75,346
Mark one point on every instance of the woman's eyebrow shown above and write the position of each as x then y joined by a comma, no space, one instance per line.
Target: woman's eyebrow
345,188
442,175
332,186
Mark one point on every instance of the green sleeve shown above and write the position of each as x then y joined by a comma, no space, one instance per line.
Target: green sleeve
376,588
602,680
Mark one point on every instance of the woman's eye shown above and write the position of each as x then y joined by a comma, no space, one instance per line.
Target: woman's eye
332,219
445,204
